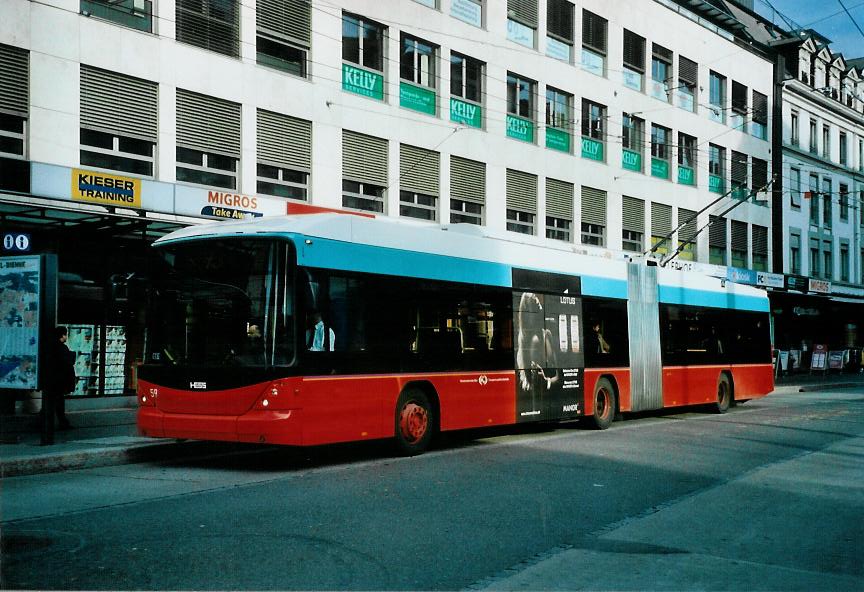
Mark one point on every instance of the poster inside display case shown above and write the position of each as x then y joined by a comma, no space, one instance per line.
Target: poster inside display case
84,341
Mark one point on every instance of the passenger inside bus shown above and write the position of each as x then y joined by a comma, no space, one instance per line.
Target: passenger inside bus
319,336
600,344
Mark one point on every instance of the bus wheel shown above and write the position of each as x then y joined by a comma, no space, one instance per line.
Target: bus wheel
724,394
604,405
415,422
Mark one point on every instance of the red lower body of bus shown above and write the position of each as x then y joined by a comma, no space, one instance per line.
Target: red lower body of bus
306,411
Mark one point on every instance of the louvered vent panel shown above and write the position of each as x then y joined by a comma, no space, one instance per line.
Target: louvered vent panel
364,158
593,206
633,214
419,170
559,199
14,80
521,191
284,141
467,180
207,123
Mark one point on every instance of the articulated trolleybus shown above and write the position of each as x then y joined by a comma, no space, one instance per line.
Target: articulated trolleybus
323,328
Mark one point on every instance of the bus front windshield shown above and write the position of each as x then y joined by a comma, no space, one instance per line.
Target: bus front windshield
222,302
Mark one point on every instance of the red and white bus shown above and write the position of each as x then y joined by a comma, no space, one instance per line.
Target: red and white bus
323,328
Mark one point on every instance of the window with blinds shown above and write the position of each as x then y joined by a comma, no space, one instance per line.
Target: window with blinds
283,34
559,20
284,155
593,209
364,171
632,224
661,226
136,14
760,247
661,72
118,129
760,174
14,113
521,201
760,115
687,234
559,209
419,171
634,60
467,190
717,240
522,19
594,42
208,140
739,98
739,170
688,80
209,24
739,244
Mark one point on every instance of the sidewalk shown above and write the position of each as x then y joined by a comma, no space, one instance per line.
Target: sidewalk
104,437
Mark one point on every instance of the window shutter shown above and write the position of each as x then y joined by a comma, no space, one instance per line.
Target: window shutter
739,168
795,241
15,77
521,191
559,199
688,231
760,240
211,24
634,51
661,219
760,173
739,98
467,180
633,214
717,232
118,104
593,206
286,18
364,158
661,53
688,70
284,141
760,108
419,170
207,123
594,31
559,19
739,236
524,11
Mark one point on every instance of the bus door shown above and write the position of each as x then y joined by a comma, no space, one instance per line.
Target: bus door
548,347
643,312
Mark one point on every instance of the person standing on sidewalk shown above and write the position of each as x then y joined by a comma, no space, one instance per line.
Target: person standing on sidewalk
59,380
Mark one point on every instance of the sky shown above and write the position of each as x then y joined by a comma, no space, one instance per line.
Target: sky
825,16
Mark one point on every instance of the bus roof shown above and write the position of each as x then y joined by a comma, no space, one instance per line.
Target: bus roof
464,253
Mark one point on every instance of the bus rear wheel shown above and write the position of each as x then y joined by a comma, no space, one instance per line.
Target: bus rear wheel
724,394
415,422
604,405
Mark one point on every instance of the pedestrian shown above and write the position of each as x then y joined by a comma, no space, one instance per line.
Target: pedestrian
60,379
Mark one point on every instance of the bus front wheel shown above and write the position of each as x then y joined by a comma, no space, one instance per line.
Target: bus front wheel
604,404
415,422
724,394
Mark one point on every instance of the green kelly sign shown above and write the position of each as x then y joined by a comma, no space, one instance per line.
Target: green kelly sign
592,149
467,113
715,184
631,160
362,82
521,129
660,168
557,139
686,176
417,98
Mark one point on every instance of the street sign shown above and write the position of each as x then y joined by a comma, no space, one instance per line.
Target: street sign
16,242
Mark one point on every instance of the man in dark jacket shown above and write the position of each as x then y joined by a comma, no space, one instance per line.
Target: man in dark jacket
59,380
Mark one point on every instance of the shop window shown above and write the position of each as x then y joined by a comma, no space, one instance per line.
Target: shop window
521,222
594,43
210,24
362,196
117,153
137,14
466,212
282,182
205,168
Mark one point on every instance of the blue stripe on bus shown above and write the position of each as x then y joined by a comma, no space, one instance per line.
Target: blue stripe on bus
603,287
678,295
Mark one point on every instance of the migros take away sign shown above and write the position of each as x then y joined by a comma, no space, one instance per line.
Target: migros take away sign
106,189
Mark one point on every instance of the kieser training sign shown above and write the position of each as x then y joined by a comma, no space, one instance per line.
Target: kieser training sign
106,189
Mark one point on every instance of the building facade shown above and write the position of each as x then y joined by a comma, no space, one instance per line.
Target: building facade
610,127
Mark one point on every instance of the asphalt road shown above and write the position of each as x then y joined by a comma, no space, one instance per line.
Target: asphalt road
768,496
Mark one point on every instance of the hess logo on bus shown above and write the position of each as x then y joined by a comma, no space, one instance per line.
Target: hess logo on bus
198,384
